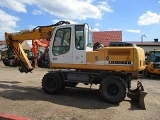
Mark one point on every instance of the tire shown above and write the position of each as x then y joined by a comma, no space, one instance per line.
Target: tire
70,84
147,74
113,89
52,83
40,64
97,45
5,62
46,64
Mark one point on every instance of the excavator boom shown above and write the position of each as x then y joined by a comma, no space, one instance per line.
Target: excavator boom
40,32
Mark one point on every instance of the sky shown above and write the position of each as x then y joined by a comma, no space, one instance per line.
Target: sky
135,18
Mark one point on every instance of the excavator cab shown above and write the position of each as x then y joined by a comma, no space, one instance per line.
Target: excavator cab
69,44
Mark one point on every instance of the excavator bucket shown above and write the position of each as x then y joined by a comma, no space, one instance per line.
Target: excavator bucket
138,95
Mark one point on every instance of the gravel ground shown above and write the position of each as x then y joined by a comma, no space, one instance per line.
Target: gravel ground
21,95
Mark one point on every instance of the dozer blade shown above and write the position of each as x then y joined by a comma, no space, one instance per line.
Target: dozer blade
138,95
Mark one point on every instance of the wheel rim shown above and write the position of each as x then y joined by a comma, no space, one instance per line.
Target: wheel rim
112,90
51,84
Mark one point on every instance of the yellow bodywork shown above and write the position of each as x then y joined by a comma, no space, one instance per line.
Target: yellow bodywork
150,68
126,59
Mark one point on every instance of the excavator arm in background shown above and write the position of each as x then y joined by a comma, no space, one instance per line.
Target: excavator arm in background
35,44
40,32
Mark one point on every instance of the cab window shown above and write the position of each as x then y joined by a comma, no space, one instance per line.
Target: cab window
61,43
79,37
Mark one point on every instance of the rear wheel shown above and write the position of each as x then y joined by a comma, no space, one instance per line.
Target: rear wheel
113,89
52,83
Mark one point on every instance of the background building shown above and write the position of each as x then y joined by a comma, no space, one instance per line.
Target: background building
148,46
105,37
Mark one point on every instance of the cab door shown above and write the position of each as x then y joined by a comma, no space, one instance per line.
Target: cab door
68,45
79,52
61,48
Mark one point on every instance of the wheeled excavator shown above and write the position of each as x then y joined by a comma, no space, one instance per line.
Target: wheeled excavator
73,60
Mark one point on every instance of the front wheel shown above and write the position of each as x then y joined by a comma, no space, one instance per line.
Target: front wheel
52,83
113,89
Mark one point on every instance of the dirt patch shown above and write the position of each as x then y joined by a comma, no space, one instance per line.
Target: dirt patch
21,95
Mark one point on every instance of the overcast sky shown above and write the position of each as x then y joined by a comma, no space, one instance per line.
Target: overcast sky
133,17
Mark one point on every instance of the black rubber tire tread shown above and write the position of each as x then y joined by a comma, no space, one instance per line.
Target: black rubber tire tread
56,77
5,62
119,82
147,74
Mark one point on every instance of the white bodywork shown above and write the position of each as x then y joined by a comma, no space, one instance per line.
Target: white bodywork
73,56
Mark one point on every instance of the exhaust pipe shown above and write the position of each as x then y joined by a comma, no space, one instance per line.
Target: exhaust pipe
138,95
